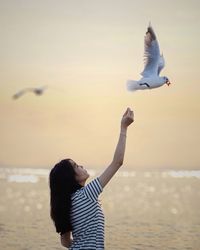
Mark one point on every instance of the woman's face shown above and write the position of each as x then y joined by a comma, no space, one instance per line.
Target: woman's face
81,174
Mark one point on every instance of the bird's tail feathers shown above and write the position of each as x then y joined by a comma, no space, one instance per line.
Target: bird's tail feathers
132,85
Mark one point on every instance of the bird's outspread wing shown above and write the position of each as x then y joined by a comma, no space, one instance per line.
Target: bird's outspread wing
161,64
151,54
21,92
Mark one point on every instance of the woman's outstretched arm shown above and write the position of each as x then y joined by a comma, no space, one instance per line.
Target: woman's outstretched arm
118,158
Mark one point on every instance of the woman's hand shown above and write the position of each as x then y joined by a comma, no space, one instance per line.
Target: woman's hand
127,118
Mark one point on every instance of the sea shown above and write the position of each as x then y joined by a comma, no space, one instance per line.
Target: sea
156,210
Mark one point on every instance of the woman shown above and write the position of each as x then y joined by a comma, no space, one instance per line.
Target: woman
74,206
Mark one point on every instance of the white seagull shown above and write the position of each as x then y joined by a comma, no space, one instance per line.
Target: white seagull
154,63
37,91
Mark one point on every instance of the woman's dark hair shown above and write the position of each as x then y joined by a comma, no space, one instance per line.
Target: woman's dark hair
62,184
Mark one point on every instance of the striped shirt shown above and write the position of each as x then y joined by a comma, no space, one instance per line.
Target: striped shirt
87,218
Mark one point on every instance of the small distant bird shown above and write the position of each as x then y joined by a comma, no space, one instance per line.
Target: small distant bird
37,91
154,63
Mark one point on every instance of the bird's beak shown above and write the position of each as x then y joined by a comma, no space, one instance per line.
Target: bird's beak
168,82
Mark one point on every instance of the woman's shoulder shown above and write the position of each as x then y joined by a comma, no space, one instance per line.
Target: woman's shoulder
90,190
93,189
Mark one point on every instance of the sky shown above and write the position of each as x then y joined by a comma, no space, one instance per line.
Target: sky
85,50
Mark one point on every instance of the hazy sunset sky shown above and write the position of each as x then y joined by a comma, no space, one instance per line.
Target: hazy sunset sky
85,50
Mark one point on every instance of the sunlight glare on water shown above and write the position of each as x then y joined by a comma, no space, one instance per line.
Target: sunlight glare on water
143,210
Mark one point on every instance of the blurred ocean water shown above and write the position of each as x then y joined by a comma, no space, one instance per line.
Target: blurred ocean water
143,210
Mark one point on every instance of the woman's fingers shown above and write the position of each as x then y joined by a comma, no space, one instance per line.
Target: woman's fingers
126,112
130,112
131,115
128,117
